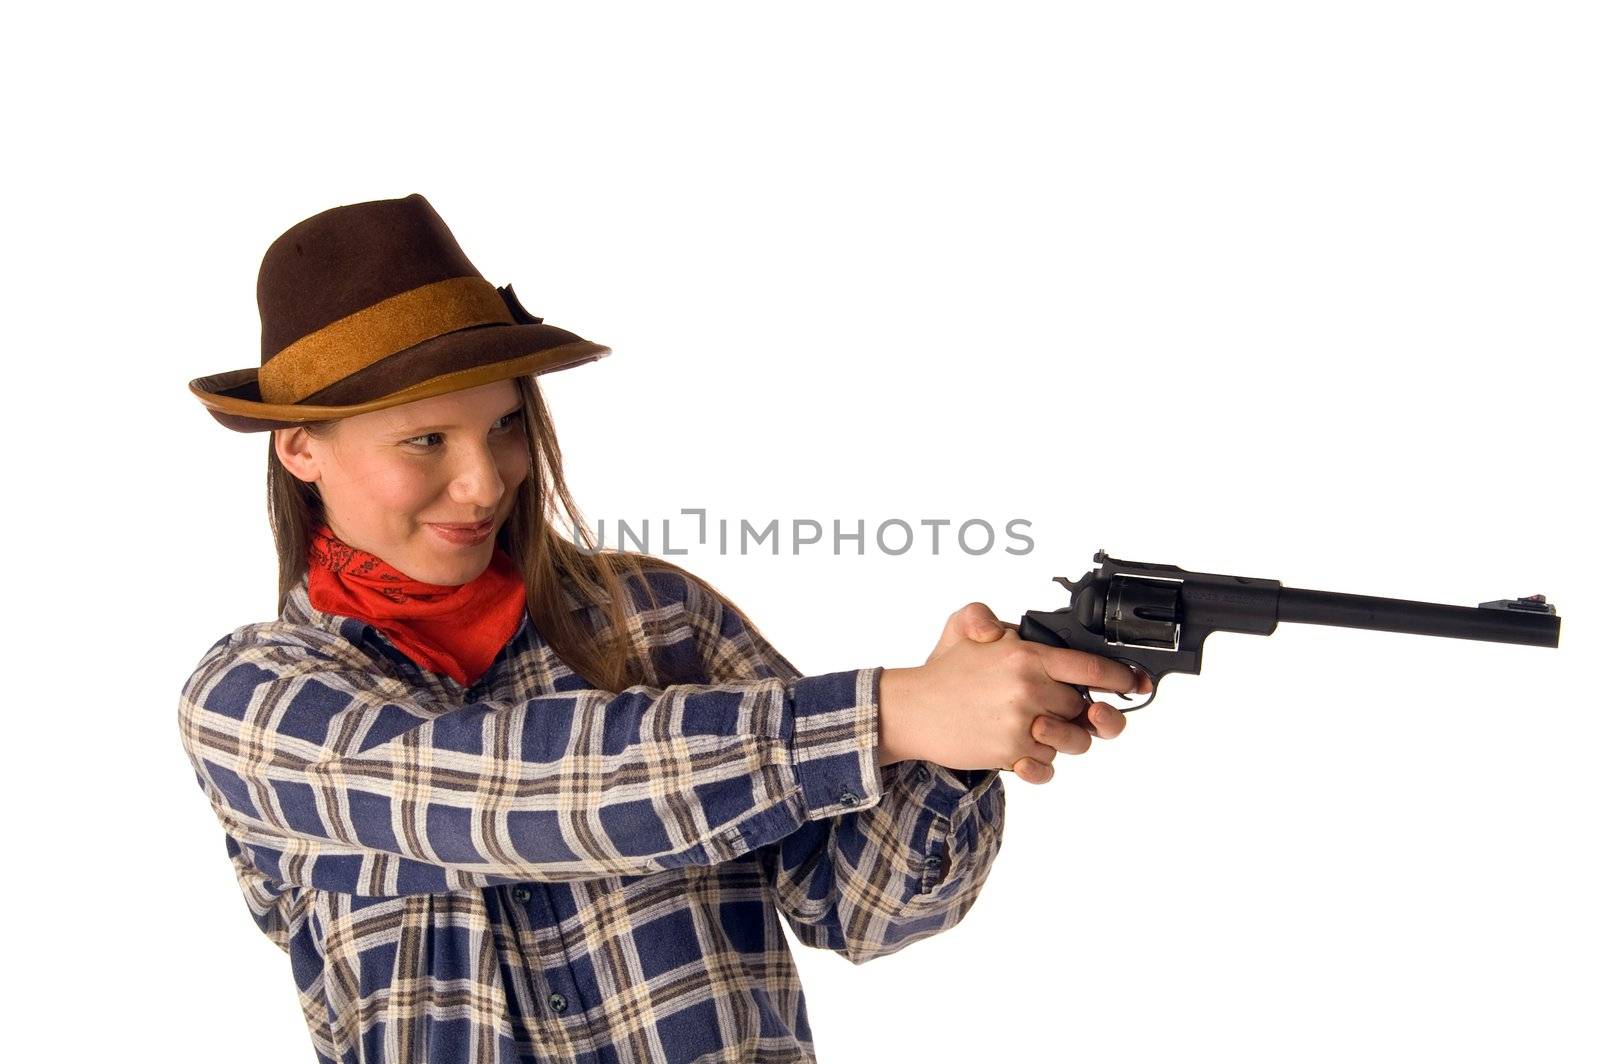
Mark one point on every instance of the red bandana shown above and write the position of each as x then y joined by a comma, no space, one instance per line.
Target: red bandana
456,631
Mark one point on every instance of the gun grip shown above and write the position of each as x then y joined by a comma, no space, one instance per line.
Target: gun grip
1035,632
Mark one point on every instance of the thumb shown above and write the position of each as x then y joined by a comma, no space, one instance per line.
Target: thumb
974,621
986,631
983,626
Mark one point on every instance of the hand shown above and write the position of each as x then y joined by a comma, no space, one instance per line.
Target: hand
1065,726
977,622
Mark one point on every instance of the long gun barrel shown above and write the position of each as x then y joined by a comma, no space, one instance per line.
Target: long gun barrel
1156,618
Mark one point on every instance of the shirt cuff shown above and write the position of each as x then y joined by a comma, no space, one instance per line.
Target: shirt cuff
834,745
948,791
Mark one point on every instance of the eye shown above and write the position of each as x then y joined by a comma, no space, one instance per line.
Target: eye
506,424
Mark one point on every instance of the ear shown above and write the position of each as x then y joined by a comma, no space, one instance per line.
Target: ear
294,451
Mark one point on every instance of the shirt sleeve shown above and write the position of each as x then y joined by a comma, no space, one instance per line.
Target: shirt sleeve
328,774
905,863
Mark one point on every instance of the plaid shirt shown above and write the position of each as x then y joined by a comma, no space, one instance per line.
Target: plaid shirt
532,869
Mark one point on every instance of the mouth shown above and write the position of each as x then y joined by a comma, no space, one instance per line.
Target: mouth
479,527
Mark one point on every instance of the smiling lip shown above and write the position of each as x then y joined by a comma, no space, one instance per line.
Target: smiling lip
464,535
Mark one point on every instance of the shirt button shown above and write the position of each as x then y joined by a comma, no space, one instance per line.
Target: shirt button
848,798
558,1002
922,774
522,894
934,863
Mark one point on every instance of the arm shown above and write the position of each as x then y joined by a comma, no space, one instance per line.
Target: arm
900,867
332,776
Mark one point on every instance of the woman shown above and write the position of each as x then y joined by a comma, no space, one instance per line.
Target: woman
503,798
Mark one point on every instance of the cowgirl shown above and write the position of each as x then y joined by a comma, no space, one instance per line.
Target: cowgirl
501,798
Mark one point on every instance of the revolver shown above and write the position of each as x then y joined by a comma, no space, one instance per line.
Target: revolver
1155,618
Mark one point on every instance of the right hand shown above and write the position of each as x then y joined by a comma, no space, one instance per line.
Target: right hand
974,704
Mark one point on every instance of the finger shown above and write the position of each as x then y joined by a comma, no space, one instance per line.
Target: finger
1031,771
1043,752
1061,735
1061,700
974,621
977,621
1107,720
1143,684
1090,670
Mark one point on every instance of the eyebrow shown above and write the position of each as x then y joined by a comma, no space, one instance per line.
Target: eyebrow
405,434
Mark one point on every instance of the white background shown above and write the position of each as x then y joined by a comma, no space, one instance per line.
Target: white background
1304,292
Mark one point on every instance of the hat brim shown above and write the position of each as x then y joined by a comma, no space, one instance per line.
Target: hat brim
449,363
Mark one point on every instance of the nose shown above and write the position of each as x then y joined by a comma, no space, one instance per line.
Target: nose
476,479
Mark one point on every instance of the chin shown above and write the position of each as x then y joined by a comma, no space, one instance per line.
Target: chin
467,565
435,567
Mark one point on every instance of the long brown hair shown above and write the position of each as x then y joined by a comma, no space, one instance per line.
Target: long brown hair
607,659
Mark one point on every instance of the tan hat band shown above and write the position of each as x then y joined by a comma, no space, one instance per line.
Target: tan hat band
356,341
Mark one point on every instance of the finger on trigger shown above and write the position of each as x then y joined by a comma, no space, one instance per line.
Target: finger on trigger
1085,669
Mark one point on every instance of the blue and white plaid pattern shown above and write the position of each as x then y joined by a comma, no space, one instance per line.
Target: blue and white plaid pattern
531,869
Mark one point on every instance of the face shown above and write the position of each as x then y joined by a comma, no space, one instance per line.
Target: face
389,478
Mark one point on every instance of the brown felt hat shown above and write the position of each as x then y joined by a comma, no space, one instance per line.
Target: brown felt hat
371,305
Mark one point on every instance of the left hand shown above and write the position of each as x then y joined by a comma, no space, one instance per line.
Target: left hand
1067,735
